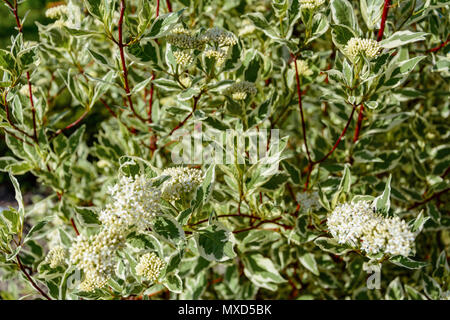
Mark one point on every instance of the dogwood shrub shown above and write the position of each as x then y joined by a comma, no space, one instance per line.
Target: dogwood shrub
139,120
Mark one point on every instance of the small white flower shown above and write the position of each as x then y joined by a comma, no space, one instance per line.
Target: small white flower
134,203
219,36
182,38
311,4
219,55
56,256
181,183
183,58
358,225
357,46
150,266
303,68
247,28
56,11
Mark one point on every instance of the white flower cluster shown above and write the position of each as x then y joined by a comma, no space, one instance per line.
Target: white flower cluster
219,55
150,266
309,201
240,90
56,11
311,4
182,38
183,58
303,68
182,181
96,256
356,46
219,36
135,203
246,28
358,225
56,256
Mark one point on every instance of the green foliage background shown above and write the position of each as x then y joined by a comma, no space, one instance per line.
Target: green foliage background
242,234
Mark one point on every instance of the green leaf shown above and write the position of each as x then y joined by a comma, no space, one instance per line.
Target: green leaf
418,223
168,229
371,11
332,246
342,13
407,262
75,139
94,8
87,216
309,262
162,25
383,202
7,61
215,243
18,193
173,282
395,290
261,271
144,241
413,294
401,38
320,25
432,288
261,23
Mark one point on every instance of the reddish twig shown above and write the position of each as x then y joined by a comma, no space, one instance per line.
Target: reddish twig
72,222
359,124
23,269
417,204
387,4
340,137
169,6
121,46
73,124
443,44
227,215
196,98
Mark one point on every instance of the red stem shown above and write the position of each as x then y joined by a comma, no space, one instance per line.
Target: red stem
443,44
188,116
74,226
387,4
169,6
340,137
22,268
157,8
359,124
123,61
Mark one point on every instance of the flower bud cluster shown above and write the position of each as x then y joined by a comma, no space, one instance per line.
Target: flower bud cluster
183,58
135,203
183,39
311,4
358,225
182,181
150,266
240,90
56,256
357,46
56,11
303,68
